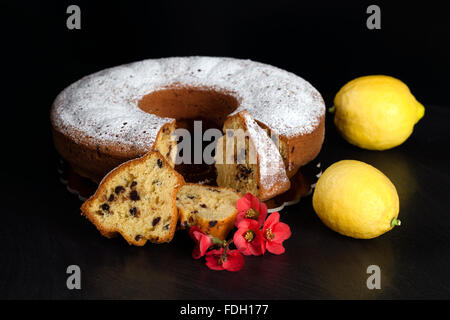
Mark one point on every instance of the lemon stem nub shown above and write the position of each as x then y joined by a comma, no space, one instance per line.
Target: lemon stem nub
332,109
395,222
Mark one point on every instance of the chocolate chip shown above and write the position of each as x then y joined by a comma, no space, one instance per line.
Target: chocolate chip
214,190
190,196
134,195
244,172
138,237
191,220
134,212
155,221
195,211
292,150
105,207
166,227
203,205
212,223
133,184
159,162
119,189
111,198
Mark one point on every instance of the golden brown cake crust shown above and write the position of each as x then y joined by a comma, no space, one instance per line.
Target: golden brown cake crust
113,231
81,140
94,159
302,149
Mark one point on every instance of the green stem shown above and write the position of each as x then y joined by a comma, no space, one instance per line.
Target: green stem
395,222
218,241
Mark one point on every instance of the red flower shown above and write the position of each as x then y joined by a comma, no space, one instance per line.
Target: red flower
231,260
249,207
203,242
275,232
249,239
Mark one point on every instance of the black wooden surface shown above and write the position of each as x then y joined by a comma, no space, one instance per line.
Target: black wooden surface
42,232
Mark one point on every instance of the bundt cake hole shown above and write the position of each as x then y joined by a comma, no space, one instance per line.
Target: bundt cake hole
187,105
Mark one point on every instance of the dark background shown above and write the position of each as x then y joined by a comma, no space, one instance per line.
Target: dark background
326,42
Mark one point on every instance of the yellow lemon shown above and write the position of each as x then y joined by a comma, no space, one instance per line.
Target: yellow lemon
376,112
357,200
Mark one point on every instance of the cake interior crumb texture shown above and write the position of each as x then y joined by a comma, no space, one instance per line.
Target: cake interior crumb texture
137,200
206,202
212,209
235,169
254,164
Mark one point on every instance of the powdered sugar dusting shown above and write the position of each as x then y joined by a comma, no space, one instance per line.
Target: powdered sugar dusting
103,107
271,166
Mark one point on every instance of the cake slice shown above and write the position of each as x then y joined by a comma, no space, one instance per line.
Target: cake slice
212,209
137,200
166,143
247,160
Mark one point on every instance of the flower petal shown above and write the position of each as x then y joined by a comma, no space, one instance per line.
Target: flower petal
248,224
262,213
272,220
241,216
255,203
240,242
234,262
205,243
243,204
212,259
281,232
257,247
193,230
275,247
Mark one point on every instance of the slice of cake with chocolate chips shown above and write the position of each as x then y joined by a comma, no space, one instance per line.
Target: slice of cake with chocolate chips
212,209
137,200
248,160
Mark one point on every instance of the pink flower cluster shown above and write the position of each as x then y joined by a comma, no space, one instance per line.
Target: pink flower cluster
255,234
